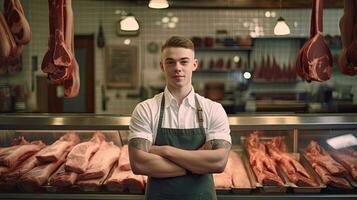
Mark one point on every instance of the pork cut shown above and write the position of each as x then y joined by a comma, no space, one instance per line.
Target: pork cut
3,170
296,173
101,162
92,184
316,154
223,180
348,159
20,170
328,179
63,178
125,180
314,60
54,151
331,172
239,174
124,163
78,158
14,155
39,175
262,165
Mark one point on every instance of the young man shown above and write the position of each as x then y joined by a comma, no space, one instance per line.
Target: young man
179,138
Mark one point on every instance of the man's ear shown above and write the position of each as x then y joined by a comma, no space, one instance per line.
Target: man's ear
195,64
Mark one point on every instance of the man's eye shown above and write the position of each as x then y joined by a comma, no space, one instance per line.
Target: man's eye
170,62
184,62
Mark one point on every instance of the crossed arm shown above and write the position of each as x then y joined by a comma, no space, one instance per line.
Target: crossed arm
168,161
145,163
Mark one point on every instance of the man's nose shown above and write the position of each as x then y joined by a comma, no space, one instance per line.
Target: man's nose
178,66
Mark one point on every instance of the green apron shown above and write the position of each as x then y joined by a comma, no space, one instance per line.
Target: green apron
187,187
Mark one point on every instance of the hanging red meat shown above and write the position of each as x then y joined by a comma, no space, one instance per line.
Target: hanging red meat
59,61
347,62
15,18
314,60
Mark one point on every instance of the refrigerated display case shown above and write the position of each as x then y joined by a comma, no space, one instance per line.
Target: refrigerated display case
296,130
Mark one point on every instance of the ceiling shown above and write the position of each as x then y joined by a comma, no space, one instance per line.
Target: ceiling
244,3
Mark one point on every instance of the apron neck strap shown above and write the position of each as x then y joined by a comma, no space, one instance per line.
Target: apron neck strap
198,107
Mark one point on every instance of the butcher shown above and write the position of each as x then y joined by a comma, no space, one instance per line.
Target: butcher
179,138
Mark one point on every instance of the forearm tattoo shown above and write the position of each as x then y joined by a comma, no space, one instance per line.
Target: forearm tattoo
219,144
140,143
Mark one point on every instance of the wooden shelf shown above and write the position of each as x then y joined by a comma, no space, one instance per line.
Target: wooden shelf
217,71
234,48
275,81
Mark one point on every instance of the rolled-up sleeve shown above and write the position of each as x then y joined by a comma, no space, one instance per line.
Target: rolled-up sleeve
140,124
218,127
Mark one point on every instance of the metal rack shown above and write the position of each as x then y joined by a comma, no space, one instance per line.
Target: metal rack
112,122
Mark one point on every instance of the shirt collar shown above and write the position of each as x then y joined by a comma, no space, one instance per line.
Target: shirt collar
189,99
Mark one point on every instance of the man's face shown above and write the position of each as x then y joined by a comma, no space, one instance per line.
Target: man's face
178,63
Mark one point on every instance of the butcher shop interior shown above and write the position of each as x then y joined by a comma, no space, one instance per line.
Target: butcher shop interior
73,71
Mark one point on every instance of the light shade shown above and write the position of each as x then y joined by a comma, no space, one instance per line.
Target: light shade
158,4
129,23
281,27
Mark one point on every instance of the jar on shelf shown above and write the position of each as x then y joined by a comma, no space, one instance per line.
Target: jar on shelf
214,91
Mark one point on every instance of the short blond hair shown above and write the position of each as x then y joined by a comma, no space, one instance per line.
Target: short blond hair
178,41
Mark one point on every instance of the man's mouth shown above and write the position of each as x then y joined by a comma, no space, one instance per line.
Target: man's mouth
178,76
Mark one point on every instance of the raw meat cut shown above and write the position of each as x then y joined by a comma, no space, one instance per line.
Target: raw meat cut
348,159
347,62
62,178
331,172
39,175
263,166
101,162
314,60
54,151
14,155
289,164
20,170
120,181
15,18
124,163
78,158
224,180
239,175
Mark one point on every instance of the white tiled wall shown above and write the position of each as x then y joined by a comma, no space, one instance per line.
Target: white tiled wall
192,22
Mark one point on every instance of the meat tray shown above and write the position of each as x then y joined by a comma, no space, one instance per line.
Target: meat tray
250,176
311,172
264,188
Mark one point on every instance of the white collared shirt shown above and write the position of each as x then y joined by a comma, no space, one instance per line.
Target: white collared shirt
145,117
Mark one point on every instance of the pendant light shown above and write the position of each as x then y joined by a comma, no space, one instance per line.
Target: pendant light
281,27
129,23
158,4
